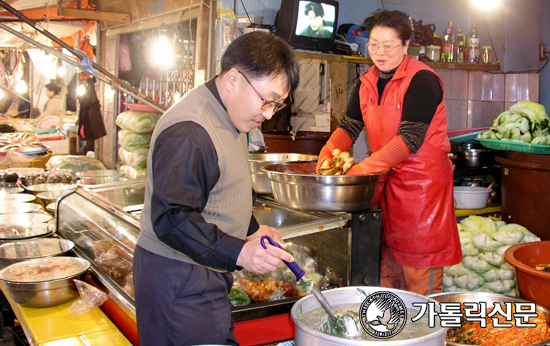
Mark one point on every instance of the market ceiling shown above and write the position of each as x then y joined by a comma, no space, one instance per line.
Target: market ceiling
61,18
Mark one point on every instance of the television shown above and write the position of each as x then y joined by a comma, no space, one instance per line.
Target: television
308,24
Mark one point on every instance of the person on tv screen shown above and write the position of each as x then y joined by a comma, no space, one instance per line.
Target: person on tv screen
316,15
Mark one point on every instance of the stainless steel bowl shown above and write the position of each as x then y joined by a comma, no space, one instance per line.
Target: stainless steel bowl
12,208
25,218
18,251
490,298
17,231
295,185
45,293
59,187
17,197
260,181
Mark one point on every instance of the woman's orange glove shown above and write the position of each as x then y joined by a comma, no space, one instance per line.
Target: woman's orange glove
384,159
338,140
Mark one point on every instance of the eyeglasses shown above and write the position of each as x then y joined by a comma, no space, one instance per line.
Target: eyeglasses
375,47
277,106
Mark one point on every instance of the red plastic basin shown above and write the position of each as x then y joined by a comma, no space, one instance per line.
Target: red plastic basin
534,285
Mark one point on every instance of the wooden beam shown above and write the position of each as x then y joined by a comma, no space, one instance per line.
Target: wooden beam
95,15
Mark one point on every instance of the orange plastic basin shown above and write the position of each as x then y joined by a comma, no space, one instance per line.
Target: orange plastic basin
534,285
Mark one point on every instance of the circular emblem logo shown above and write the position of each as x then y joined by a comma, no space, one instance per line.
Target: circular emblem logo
383,315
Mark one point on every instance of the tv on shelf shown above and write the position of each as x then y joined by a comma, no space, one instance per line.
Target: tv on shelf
309,25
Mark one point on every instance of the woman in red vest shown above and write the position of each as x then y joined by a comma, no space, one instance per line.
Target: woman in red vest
401,103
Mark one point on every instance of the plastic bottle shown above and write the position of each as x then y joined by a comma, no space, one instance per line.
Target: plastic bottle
473,50
448,44
461,39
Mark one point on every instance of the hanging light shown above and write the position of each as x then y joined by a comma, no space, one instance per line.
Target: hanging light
21,87
81,90
162,52
486,4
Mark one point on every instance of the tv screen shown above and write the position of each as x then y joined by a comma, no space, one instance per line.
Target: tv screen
308,24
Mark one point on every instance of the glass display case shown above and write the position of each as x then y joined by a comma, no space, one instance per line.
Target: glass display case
103,222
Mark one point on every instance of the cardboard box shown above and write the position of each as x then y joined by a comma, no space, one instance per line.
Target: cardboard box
58,147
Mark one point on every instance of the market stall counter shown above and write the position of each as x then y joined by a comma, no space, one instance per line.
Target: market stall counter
103,222
53,326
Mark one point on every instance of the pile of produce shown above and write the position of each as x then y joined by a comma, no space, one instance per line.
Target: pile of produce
134,139
341,162
483,267
525,121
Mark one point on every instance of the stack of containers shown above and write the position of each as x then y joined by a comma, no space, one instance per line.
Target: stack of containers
134,139
483,267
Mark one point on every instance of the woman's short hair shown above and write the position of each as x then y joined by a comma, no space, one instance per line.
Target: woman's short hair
260,54
396,20
53,87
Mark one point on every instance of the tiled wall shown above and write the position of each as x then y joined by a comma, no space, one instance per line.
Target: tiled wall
475,98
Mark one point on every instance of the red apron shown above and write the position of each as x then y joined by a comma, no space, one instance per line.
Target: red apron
419,223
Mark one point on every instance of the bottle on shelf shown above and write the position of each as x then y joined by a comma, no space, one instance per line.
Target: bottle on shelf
473,50
461,39
449,44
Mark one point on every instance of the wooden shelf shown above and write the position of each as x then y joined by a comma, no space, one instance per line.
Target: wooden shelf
300,54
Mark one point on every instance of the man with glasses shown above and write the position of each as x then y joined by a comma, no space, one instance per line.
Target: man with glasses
197,224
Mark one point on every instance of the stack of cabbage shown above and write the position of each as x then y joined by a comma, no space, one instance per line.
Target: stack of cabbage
134,138
483,267
525,121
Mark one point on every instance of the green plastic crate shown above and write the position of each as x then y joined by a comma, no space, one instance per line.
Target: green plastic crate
515,146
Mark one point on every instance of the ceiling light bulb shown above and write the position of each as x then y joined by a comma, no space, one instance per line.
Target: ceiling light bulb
486,4
81,90
21,87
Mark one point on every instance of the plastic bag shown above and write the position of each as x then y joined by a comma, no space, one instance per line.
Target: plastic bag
90,297
131,140
139,122
74,163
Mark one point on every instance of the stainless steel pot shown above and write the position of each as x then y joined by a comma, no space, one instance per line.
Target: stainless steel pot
490,298
295,185
260,181
23,250
310,336
473,155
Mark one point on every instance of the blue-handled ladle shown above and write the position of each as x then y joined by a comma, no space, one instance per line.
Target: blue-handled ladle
301,275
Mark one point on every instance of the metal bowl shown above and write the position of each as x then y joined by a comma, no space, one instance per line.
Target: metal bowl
260,181
44,293
16,197
25,218
12,208
490,298
18,251
13,231
48,197
36,189
295,185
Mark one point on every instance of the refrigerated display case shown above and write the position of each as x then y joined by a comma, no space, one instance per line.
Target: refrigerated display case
103,222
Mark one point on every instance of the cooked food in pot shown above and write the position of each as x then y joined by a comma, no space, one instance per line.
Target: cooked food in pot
46,269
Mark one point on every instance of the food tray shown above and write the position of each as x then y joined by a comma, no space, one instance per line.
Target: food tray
515,146
458,137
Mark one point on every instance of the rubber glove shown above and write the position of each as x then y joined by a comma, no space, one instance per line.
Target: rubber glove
338,140
384,159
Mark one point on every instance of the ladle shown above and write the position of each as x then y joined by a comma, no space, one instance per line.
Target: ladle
301,275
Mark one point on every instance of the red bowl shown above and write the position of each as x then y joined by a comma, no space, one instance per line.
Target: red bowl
533,284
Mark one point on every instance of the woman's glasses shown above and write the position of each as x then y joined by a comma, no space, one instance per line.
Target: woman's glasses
277,106
375,47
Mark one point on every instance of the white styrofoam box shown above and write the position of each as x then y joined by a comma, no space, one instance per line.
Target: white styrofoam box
244,20
59,147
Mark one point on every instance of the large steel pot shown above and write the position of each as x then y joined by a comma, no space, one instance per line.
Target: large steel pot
489,298
295,185
260,181
473,155
310,336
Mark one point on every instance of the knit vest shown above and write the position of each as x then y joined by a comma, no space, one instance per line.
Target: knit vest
229,205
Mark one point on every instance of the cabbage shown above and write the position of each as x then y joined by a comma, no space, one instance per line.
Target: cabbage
485,242
476,264
510,234
139,122
459,270
448,281
478,223
470,281
492,258
470,250
529,237
496,287
451,289
500,223
130,140
511,293
534,111
133,173
491,275
506,274
136,158
465,236
507,266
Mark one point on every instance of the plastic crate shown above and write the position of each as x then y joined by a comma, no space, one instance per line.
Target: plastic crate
362,42
515,146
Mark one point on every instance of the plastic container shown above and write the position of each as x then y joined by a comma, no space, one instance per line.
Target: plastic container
471,197
486,54
533,284
433,52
